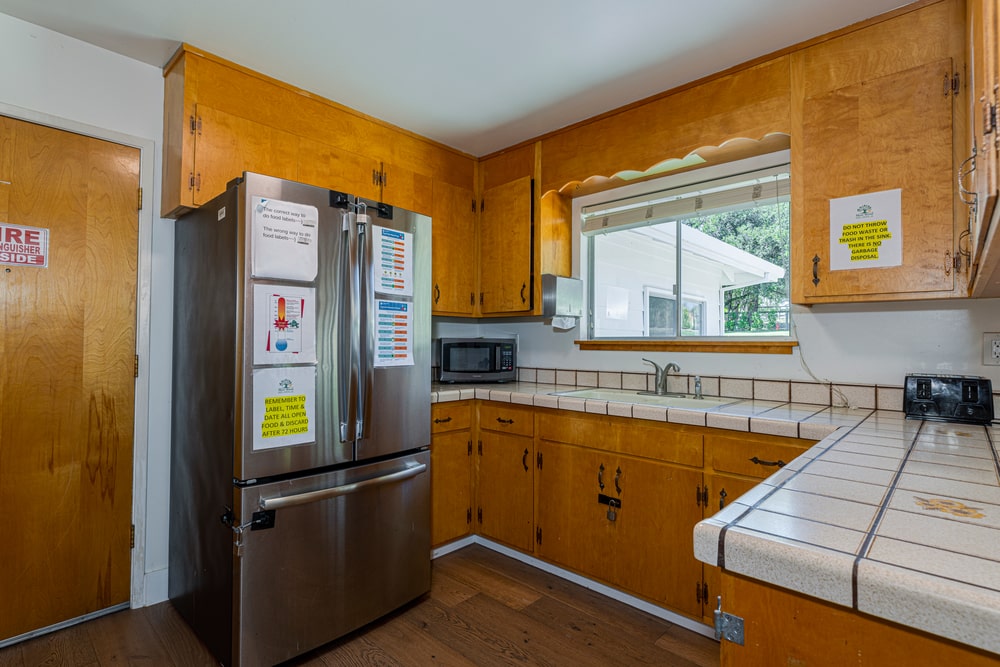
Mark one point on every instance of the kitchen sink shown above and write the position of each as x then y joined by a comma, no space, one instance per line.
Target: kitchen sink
648,398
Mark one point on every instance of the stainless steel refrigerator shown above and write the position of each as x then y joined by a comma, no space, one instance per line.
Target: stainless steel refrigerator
299,482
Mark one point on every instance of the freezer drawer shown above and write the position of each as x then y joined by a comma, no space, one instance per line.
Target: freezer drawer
346,548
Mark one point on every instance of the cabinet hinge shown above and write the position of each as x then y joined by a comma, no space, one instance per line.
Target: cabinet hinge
473,202
482,205
727,626
479,515
468,515
956,84
135,368
131,537
194,181
139,203
701,592
480,298
701,496
195,124
470,448
472,298
480,447
538,460
538,535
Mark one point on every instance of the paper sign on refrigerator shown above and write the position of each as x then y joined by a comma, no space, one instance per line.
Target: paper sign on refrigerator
284,330
284,239
283,406
393,333
393,261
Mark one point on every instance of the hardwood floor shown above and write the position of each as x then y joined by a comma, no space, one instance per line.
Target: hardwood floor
483,609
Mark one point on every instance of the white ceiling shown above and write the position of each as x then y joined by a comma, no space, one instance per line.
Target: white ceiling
472,74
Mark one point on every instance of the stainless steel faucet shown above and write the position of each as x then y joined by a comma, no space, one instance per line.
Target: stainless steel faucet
697,387
662,373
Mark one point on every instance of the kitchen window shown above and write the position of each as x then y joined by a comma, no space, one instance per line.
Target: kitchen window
689,258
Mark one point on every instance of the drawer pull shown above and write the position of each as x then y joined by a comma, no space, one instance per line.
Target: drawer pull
618,476
442,421
600,477
762,462
524,460
505,421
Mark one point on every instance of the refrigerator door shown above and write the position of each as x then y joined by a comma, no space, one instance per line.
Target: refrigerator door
343,549
395,383
325,381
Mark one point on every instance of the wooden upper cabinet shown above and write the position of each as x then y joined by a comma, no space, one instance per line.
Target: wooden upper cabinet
325,166
875,110
981,172
406,188
505,269
453,281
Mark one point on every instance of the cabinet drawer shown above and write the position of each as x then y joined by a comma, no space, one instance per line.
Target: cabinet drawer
506,418
752,455
451,416
663,442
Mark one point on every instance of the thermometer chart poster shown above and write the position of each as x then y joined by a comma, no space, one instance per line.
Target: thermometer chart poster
284,324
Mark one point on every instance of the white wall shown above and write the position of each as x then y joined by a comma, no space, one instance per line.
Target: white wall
863,343
55,78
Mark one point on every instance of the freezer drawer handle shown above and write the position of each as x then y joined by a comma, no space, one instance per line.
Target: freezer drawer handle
282,502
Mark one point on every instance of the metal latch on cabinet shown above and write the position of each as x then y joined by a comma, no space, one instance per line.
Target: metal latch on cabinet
727,626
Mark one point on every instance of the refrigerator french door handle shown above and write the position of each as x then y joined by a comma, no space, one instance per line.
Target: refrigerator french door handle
367,284
282,502
350,330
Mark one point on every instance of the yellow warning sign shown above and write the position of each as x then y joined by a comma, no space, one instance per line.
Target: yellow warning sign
284,415
865,238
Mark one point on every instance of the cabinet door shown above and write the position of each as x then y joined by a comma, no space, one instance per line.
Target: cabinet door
405,188
227,145
324,166
505,248
506,489
890,132
983,17
451,486
453,241
655,557
575,530
721,490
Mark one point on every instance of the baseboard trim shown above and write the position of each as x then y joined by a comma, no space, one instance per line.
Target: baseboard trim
580,580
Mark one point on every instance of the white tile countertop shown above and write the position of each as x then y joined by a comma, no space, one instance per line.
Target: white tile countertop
896,518
796,420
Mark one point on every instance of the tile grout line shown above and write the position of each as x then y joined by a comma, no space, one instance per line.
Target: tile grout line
876,522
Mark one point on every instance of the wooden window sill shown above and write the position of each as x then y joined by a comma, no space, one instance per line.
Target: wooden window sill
738,347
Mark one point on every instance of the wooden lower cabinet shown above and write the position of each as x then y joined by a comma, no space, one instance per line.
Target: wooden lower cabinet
505,475
624,520
451,471
782,627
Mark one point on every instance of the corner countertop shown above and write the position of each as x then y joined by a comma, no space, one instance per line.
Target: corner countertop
896,518
794,420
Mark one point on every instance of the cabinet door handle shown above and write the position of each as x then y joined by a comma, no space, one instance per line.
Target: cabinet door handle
523,287
618,476
437,294
600,477
438,420
524,460
815,270
762,462
505,421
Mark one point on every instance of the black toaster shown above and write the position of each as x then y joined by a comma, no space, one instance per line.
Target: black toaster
951,398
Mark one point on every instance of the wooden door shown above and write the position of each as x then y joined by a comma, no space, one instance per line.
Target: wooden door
67,378
227,145
576,531
505,248
505,489
894,131
451,486
655,556
983,17
454,248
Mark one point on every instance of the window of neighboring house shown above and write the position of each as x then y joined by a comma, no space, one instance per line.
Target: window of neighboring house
705,259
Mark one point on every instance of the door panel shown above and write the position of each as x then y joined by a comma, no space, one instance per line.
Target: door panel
67,381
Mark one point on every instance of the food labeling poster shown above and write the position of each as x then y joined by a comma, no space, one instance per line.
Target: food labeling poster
284,239
283,400
393,261
393,333
866,231
24,246
284,330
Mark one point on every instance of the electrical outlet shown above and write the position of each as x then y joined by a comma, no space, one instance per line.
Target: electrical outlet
991,349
